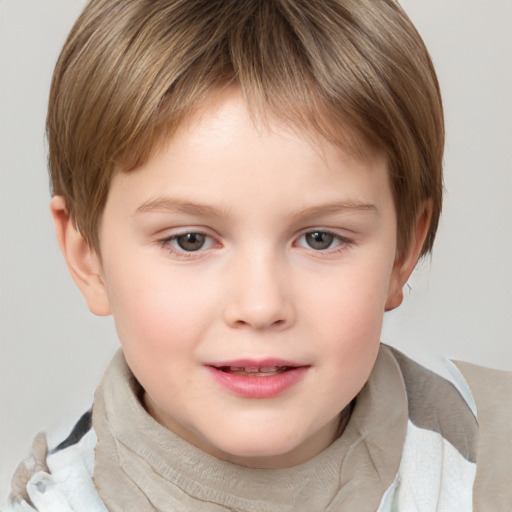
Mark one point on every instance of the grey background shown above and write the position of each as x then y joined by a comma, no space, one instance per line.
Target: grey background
53,351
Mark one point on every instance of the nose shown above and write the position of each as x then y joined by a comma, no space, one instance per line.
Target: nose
260,296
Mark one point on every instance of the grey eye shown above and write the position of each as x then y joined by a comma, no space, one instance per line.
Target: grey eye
319,240
190,241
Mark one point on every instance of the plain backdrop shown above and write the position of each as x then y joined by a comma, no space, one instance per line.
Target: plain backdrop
459,304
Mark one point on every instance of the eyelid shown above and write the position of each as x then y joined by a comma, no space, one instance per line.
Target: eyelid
343,241
166,242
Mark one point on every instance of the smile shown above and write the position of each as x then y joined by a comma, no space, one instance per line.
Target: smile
250,379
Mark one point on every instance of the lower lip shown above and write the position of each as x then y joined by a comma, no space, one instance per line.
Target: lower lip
258,387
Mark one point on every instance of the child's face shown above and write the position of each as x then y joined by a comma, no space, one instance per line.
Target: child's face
239,246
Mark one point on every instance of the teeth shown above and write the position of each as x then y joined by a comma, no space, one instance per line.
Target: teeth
252,370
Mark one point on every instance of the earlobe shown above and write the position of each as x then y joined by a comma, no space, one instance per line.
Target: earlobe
394,299
405,263
82,261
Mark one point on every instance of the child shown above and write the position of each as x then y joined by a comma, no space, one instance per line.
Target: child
246,187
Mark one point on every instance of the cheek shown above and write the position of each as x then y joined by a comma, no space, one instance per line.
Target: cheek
158,309
346,313
353,298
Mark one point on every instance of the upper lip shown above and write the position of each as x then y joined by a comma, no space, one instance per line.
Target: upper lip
256,363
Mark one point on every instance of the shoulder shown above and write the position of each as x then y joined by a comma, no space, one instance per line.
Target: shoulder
492,391
440,403
460,433
60,480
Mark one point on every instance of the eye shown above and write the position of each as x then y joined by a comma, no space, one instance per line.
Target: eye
320,240
189,242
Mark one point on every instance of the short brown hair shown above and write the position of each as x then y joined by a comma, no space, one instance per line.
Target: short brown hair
355,71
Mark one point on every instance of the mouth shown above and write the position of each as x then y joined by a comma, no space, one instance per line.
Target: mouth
254,371
258,379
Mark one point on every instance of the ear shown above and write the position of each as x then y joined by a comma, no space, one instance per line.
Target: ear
82,261
405,263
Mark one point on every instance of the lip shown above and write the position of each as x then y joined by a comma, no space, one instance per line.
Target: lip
267,386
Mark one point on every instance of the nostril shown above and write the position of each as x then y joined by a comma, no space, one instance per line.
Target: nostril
259,310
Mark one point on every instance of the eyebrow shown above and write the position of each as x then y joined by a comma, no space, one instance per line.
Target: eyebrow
168,204
335,207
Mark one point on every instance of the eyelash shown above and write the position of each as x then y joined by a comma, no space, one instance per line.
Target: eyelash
341,242
167,243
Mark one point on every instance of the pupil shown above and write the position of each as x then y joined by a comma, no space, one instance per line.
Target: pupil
319,240
191,241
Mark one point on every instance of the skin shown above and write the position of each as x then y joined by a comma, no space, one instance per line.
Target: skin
256,288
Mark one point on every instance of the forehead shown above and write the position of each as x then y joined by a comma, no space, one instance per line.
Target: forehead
315,121
227,109
223,151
